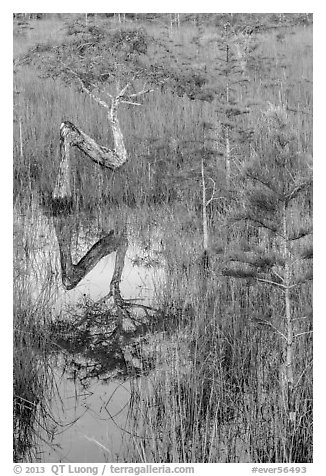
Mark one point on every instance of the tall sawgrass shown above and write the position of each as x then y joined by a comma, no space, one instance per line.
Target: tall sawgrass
216,394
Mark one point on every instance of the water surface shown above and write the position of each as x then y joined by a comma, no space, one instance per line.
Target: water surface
87,417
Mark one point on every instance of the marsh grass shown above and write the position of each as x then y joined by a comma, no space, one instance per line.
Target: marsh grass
215,393
32,375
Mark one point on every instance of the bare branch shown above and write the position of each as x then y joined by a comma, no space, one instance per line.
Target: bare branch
259,222
297,189
214,198
299,318
303,333
132,103
268,281
269,324
277,275
301,234
86,90
124,89
213,192
141,93
302,374
261,180
127,98
274,283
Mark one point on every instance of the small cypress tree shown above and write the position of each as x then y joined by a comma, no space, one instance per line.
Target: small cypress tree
276,203
227,80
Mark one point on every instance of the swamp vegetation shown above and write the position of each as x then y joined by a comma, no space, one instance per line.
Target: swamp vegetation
163,305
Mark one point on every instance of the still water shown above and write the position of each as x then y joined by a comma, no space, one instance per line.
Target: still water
91,422
87,420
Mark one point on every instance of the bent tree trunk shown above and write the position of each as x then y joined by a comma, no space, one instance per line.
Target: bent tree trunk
70,135
71,273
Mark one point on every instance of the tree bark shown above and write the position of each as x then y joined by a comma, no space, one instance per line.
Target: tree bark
227,156
205,226
227,131
72,274
70,135
291,415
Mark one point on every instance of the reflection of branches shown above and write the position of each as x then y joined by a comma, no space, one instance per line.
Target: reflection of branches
102,348
107,335
71,136
72,273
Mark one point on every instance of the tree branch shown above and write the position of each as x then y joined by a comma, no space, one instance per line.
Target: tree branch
72,274
132,103
301,234
86,90
297,189
258,222
213,192
277,275
274,283
141,93
303,333
262,181
267,323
